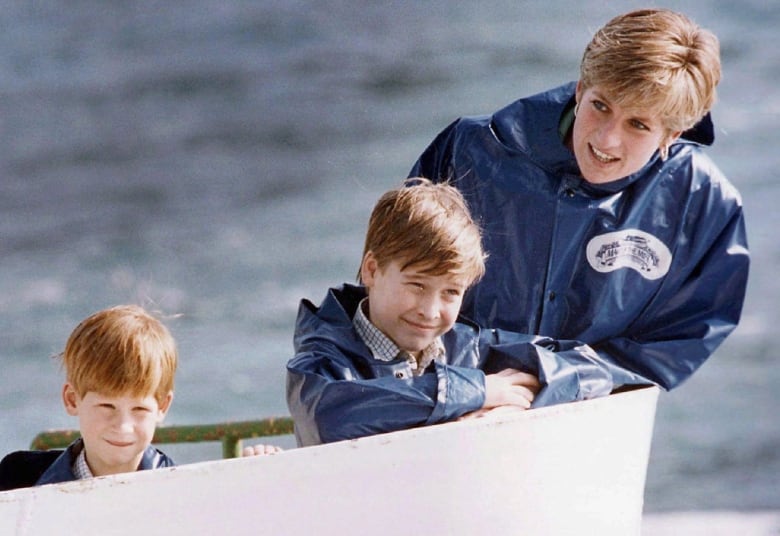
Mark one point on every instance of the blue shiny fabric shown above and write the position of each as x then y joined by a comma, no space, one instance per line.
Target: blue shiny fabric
26,468
336,390
650,322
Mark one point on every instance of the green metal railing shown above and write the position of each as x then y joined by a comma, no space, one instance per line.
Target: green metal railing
229,433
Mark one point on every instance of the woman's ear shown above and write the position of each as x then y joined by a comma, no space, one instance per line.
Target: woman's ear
71,400
669,139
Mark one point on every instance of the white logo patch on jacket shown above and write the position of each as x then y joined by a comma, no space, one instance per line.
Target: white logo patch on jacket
629,248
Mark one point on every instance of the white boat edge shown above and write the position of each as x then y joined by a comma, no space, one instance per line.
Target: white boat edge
712,523
576,468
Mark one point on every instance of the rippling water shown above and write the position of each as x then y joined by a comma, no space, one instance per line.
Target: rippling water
218,162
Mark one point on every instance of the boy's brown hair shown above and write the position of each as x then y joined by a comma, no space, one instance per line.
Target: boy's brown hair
121,351
429,226
657,60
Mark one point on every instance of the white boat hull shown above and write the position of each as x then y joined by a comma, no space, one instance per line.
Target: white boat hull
571,469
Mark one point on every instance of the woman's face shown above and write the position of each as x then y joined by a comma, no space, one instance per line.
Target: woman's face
611,142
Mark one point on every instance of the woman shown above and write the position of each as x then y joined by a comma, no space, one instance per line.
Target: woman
604,219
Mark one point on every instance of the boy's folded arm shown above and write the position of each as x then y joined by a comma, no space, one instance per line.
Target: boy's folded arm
332,402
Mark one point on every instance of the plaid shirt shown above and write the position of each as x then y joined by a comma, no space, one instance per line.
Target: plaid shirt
80,467
383,349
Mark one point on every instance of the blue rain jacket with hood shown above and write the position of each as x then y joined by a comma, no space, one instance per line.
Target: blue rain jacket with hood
649,270
27,468
336,389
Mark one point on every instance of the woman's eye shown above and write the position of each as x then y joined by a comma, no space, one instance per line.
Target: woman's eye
600,106
639,125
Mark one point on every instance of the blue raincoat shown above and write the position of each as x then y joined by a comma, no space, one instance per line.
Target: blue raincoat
27,468
336,389
649,270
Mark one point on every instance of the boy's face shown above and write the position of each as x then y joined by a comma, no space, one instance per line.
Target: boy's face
410,307
116,429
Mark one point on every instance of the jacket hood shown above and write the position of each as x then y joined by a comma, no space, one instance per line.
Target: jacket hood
332,320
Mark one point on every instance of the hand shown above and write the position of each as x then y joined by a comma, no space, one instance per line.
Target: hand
260,450
510,387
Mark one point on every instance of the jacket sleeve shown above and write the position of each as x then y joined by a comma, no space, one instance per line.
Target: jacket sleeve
567,370
696,309
330,400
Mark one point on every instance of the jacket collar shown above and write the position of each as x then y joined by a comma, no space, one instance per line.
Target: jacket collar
332,321
62,468
530,126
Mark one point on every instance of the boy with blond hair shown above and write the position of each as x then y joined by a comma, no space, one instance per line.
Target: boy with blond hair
120,365
390,354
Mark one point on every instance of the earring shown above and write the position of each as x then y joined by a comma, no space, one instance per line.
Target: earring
664,150
576,108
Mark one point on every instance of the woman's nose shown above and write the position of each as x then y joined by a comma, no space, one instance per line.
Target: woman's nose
609,134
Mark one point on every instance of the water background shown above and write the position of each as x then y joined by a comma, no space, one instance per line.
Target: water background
218,162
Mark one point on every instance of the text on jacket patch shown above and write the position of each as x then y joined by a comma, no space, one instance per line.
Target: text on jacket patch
629,248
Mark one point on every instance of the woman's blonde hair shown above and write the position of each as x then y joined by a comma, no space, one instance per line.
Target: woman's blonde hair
429,226
121,351
657,60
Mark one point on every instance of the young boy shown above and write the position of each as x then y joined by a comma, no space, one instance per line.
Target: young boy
120,365
389,355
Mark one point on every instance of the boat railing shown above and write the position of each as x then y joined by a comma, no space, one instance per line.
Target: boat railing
230,434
